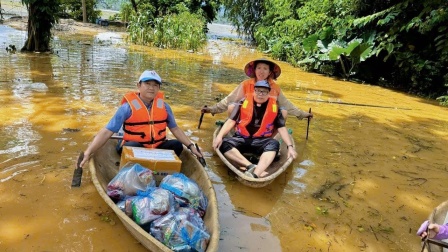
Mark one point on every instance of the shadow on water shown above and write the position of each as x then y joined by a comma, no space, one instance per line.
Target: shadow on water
364,180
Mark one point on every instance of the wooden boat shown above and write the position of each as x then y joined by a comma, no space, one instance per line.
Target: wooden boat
278,166
104,165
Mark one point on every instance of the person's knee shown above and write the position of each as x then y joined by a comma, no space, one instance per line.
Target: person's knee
225,147
272,145
177,147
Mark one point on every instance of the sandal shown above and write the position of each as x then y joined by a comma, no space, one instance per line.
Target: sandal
243,169
250,171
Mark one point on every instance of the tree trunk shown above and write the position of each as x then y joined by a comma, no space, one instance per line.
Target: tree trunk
84,12
38,35
134,4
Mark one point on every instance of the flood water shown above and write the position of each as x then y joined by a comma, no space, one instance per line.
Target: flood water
366,178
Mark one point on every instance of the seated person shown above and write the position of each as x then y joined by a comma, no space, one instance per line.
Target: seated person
144,117
255,118
258,70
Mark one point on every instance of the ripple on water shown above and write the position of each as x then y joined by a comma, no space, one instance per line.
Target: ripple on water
110,37
307,163
294,185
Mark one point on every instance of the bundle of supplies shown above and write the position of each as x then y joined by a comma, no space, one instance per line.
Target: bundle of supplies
172,212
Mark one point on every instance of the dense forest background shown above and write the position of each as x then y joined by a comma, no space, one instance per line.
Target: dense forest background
398,44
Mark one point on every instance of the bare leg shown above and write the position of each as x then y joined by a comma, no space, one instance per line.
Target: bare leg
236,156
265,160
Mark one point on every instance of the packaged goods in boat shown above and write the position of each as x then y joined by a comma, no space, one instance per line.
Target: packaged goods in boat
160,162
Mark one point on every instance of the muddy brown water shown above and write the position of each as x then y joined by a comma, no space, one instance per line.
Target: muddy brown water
363,181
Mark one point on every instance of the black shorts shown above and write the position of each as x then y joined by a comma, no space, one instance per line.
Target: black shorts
249,145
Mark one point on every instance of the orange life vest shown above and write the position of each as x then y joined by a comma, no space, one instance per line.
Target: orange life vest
249,87
143,126
246,113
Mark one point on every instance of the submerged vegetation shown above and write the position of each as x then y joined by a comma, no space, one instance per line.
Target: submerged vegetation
169,24
184,31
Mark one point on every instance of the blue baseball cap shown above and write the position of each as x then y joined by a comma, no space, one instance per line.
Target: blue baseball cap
148,75
262,83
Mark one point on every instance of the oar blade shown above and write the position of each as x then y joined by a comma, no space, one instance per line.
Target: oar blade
200,118
201,159
77,173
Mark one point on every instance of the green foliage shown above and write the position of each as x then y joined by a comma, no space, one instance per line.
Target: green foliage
208,9
412,35
348,54
443,100
74,9
126,11
405,42
245,15
184,30
170,23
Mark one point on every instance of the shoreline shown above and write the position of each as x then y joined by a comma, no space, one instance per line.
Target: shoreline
71,26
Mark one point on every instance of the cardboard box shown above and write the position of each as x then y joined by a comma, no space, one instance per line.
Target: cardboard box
161,162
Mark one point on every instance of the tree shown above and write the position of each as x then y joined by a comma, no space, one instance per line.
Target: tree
245,15
42,16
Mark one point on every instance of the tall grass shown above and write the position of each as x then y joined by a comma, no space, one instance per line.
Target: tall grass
176,31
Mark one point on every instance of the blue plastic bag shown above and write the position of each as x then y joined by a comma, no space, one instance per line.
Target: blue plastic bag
186,192
181,230
131,178
151,205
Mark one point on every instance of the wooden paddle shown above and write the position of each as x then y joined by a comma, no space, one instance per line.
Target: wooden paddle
200,118
201,159
308,126
77,173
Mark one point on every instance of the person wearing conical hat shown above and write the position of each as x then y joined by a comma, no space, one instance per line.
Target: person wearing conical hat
257,70
255,119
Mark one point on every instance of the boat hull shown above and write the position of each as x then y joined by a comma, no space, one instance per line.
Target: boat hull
104,165
277,167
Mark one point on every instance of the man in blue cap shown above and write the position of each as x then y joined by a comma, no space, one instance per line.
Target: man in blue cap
143,116
255,119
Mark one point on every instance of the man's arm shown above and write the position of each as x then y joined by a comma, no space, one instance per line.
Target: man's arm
99,140
225,129
114,125
180,135
228,125
287,140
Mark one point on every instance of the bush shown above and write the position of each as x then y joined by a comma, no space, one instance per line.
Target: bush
181,31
